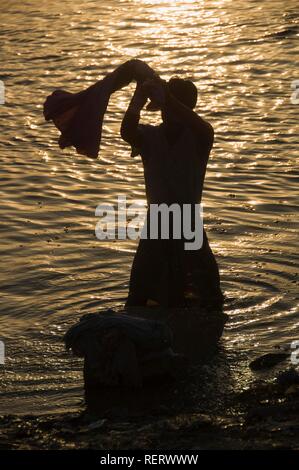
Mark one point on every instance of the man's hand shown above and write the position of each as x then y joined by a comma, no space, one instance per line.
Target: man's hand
138,100
154,89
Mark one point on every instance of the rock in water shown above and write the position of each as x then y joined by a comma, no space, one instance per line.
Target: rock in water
142,346
268,360
288,377
122,350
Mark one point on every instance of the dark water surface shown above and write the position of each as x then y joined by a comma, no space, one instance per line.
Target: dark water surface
243,56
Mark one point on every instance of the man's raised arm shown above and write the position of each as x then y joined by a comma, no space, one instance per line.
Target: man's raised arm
129,125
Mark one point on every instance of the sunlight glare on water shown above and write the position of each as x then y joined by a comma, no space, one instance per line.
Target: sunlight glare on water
243,57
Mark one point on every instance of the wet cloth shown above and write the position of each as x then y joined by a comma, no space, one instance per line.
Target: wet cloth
118,348
79,116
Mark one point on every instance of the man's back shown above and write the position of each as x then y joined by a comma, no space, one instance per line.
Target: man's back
174,170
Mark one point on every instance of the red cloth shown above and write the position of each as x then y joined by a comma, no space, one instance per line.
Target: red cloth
79,116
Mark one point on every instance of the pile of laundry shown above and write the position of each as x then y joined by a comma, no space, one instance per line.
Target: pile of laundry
123,350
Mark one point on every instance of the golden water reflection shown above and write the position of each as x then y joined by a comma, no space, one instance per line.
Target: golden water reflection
241,57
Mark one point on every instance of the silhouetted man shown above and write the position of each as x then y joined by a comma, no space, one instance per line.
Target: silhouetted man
174,155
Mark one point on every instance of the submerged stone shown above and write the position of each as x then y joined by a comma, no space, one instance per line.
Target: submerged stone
288,377
268,360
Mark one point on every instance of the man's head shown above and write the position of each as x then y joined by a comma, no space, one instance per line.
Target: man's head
183,90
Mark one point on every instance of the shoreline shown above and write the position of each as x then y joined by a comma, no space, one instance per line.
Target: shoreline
265,416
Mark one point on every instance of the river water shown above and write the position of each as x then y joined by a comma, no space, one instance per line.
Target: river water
243,57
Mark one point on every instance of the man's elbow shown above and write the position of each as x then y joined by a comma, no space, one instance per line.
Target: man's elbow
123,134
126,135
